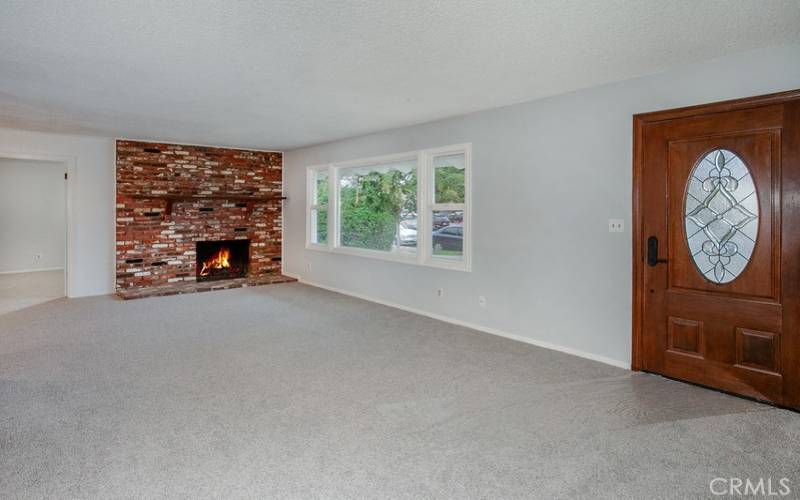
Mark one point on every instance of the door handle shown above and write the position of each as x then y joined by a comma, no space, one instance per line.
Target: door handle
652,252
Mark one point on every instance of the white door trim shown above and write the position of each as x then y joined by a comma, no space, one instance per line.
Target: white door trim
70,165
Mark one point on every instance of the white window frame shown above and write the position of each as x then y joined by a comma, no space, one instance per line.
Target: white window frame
311,196
425,207
430,206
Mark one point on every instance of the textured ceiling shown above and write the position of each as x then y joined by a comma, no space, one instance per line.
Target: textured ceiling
282,74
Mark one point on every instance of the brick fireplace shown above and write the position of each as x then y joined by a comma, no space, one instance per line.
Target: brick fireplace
195,218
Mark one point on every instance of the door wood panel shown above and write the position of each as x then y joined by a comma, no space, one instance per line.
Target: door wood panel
740,333
759,151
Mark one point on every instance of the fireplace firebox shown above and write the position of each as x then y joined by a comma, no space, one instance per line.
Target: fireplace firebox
219,260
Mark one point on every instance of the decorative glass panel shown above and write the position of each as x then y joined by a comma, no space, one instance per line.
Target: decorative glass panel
721,216
448,234
449,178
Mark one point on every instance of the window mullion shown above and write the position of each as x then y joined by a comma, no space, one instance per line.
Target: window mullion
310,179
333,201
423,202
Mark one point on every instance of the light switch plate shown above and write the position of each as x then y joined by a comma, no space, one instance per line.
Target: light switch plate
616,225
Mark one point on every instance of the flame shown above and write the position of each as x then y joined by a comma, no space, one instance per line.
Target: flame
217,261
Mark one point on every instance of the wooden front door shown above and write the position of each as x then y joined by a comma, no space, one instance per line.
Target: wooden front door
717,246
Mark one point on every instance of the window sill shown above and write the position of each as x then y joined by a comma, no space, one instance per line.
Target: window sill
411,259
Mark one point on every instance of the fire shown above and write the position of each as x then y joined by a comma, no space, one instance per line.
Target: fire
217,261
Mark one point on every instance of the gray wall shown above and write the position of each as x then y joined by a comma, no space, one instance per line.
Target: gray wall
91,197
547,176
32,215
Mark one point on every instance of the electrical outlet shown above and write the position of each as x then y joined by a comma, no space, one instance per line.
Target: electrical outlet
482,301
37,257
440,292
616,225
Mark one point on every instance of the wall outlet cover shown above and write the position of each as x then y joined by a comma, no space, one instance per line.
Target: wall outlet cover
616,225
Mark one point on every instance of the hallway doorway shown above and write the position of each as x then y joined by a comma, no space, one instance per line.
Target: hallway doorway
33,232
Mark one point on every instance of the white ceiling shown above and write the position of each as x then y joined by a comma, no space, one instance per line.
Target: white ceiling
286,73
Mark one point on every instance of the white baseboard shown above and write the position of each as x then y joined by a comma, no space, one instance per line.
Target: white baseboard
20,271
547,345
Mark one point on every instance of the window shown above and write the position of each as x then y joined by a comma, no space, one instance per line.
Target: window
378,206
318,209
447,209
411,207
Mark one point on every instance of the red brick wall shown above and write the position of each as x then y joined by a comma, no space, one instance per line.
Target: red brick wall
156,251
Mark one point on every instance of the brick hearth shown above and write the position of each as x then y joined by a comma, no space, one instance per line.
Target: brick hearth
171,196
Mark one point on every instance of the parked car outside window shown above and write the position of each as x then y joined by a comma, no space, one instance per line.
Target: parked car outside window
449,238
407,232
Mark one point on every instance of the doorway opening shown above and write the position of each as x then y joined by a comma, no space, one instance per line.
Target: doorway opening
33,232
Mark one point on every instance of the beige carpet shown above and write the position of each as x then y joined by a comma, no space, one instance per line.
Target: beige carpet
21,290
291,392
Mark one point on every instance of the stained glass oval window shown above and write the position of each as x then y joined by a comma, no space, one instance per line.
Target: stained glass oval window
721,216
